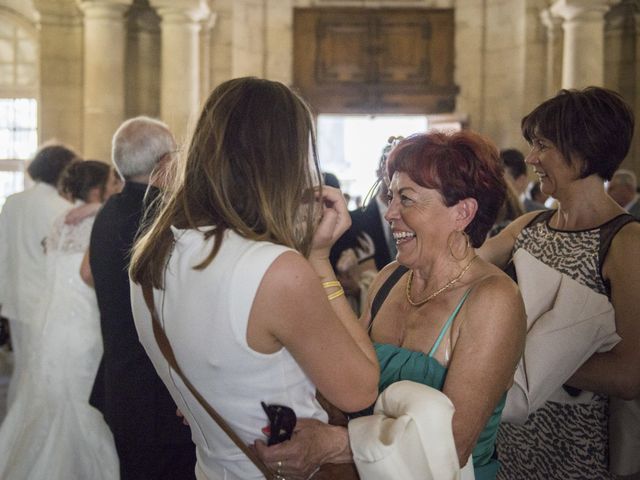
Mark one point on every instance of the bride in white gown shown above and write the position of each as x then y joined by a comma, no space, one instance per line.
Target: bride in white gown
50,431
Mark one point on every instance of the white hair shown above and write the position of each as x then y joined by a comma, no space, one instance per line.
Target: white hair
623,176
138,145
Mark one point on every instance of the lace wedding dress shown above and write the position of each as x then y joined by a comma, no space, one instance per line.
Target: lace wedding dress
51,432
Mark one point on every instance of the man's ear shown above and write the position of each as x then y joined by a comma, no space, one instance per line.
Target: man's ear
466,210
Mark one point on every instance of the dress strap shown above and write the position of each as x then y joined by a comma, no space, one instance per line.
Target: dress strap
448,323
607,232
383,292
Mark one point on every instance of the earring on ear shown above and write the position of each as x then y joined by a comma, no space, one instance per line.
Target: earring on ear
467,245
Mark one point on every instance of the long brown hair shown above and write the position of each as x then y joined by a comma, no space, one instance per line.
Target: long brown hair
247,169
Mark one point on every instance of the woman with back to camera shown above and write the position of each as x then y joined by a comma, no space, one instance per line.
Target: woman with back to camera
50,430
440,315
238,258
578,139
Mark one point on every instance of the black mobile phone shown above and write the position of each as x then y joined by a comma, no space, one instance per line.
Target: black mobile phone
282,421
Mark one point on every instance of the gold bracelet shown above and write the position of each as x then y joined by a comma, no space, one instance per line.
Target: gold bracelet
331,283
336,294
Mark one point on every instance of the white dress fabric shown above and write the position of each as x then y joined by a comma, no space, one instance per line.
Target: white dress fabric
25,221
205,314
50,431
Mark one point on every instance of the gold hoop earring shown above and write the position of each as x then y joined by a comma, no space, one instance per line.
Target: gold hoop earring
466,247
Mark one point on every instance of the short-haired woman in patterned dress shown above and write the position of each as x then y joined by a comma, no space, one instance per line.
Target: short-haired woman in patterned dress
578,139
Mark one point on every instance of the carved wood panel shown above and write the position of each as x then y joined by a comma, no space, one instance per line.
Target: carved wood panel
342,51
375,60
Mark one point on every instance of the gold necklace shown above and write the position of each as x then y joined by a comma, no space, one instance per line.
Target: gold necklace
433,295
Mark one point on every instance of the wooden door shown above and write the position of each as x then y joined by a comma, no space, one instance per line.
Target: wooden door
375,60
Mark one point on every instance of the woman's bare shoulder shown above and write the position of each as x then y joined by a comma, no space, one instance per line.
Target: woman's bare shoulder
623,257
495,296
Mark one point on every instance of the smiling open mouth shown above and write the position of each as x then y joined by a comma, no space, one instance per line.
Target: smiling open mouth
401,237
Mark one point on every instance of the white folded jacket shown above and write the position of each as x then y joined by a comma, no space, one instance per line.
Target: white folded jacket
409,436
567,322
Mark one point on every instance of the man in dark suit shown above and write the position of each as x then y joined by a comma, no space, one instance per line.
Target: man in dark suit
370,220
151,441
368,238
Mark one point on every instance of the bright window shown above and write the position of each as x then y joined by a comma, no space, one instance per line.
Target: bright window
18,142
18,128
350,146
18,105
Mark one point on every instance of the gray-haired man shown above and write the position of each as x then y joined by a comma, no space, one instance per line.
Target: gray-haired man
151,441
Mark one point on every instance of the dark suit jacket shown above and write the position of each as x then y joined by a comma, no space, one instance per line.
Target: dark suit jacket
135,403
368,221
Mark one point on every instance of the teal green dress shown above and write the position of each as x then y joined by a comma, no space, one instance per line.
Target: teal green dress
398,363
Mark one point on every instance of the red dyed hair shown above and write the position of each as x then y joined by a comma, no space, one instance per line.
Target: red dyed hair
458,165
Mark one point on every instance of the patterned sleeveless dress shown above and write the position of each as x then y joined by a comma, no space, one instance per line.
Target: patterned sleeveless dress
563,441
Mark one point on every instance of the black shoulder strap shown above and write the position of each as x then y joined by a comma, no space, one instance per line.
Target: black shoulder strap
607,232
384,290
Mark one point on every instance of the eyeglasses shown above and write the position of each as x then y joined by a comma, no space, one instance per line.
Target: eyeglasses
282,421
392,142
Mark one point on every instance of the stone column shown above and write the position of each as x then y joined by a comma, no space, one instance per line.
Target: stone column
143,62
180,58
553,26
206,26
104,50
60,105
583,50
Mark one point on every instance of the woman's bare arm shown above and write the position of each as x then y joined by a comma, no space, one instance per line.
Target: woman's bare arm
498,249
485,356
85,270
292,309
616,372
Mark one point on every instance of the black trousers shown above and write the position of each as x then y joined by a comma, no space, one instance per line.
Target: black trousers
157,462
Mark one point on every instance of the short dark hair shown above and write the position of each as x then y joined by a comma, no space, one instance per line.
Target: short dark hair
459,165
49,163
80,177
595,123
513,161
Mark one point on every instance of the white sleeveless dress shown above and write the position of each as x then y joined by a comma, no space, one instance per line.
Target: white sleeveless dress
50,431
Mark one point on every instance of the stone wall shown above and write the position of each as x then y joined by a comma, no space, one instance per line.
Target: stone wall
508,58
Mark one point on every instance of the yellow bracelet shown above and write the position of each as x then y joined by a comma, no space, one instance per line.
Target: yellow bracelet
331,283
336,294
